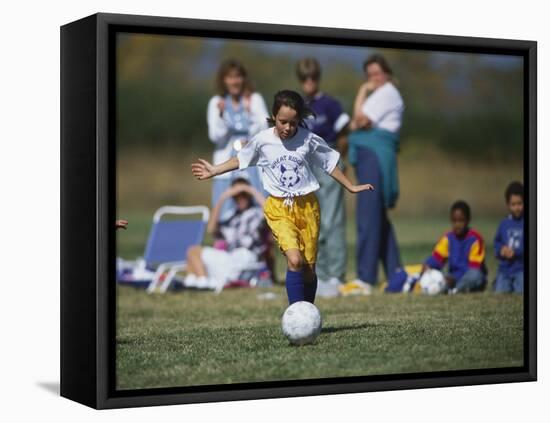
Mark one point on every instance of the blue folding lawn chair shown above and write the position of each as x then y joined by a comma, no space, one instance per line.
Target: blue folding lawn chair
169,240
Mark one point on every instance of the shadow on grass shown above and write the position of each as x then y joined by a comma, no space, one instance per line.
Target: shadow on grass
332,329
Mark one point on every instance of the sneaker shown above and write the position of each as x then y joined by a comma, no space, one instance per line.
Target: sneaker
202,283
327,289
355,287
334,281
190,281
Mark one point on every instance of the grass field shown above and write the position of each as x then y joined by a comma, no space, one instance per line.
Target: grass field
198,338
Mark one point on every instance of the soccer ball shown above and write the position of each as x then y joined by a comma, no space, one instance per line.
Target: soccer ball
433,282
301,323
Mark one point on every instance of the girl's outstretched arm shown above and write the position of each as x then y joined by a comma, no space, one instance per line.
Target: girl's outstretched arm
346,183
202,169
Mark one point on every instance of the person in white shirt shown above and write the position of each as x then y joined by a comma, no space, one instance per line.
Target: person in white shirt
286,153
234,115
373,144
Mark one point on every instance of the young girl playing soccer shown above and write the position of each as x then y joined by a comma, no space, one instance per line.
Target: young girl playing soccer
286,153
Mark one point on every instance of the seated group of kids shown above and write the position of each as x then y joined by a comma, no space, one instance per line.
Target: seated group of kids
463,248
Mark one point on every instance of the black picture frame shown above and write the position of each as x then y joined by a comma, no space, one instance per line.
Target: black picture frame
88,210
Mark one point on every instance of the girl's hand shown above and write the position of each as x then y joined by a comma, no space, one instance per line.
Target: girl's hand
121,224
359,188
203,170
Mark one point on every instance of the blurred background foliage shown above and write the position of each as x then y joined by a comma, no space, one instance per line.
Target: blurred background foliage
465,104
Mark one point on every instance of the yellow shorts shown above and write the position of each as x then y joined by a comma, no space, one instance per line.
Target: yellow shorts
296,225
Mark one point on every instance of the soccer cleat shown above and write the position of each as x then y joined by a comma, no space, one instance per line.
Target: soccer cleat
355,287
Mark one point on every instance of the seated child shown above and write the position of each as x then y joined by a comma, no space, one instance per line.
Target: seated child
509,243
242,235
464,249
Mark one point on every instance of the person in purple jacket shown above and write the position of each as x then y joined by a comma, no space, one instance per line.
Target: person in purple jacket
509,243
330,123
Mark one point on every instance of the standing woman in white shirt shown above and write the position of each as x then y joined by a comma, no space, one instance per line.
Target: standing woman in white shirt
373,146
235,114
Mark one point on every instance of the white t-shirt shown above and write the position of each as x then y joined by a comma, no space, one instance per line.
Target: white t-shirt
384,107
287,165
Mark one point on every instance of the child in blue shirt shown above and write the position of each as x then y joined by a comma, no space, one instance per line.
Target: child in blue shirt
464,249
509,243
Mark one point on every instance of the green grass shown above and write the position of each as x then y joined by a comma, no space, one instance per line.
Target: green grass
198,338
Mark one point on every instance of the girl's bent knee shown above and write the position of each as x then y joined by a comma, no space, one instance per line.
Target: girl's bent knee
295,262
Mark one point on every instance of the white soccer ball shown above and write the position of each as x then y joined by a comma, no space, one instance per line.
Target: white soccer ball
433,282
301,323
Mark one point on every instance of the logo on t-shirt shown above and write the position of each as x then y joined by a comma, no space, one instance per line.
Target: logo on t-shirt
289,170
290,176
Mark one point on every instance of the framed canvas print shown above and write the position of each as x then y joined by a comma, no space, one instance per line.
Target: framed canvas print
258,211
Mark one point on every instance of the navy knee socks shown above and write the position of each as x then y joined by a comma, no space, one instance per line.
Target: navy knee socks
297,289
310,289
295,286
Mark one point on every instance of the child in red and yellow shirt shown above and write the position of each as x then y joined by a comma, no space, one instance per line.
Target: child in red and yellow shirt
464,249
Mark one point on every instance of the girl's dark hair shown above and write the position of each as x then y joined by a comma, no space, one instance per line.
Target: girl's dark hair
515,188
381,60
227,66
293,100
463,207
